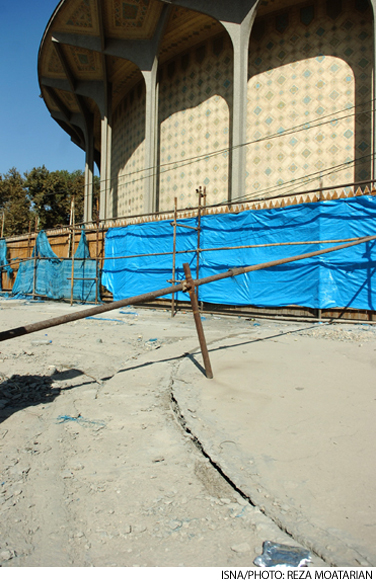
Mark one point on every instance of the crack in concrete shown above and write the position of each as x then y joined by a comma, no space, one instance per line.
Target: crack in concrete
330,549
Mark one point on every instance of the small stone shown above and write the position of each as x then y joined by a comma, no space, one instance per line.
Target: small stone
6,555
76,466
66,474
225,500
158,459
79,534
138,528
241,548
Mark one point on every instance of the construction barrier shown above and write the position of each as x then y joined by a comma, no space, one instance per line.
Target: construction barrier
47,275
138,257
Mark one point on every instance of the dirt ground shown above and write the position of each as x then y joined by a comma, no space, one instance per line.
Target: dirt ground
106,457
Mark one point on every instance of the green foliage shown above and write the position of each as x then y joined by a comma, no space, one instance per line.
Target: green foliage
14,204
42,195
51,193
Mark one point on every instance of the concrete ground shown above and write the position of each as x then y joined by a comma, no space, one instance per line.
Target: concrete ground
115,450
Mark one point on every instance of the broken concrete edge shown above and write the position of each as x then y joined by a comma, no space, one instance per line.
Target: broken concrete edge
328,547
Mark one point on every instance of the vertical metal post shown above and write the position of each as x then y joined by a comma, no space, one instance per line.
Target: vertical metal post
97,260
320,198
199,192
35,268
28,240
174,258
73,222
2,225
197,318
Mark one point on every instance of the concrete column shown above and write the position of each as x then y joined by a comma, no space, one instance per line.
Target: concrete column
103,170
89,172
105,201
111,212
151,137
239,34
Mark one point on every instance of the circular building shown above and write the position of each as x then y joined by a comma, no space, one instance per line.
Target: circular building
249,98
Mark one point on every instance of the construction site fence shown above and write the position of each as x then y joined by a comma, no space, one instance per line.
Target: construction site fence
137,258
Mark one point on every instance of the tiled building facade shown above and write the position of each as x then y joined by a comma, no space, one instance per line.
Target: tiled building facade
276,100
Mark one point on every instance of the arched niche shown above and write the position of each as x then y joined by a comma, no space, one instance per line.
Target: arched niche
128,153
310,97
195,102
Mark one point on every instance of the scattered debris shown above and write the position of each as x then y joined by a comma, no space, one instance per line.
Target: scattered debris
80,420
107,319
152,344
277,555
241,548
128,313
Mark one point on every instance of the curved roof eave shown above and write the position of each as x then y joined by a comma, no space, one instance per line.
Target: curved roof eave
46,31
222,10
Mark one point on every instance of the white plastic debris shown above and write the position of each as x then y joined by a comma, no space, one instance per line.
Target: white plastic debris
277,555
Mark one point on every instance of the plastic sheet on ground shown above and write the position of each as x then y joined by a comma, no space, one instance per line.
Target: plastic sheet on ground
52,275
278,555
345,278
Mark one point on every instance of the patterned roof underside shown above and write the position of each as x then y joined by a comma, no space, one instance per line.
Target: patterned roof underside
130,19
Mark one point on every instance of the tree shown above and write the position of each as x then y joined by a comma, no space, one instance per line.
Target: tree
51,193
14,203
44,195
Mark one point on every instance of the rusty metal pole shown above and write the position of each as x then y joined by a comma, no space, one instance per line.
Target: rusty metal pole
35,268
37,326
73,224
97,260
199,192
174,257
197,318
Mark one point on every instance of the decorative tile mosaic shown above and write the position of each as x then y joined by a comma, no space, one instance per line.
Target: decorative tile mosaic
310,92
55,68
128,155
135,18
195,97
84,64
82,16
68,99
123,76
186,28
131,13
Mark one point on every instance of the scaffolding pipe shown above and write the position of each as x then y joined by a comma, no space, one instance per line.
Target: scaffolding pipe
174,257
73,223
204,250
96,262
22,330
197,318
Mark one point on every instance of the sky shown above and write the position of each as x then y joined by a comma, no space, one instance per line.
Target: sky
29,137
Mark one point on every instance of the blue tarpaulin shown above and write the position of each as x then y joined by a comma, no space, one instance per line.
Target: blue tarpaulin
52,275
345,278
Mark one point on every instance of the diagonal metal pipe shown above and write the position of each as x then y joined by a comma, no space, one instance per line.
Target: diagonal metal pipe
36,327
